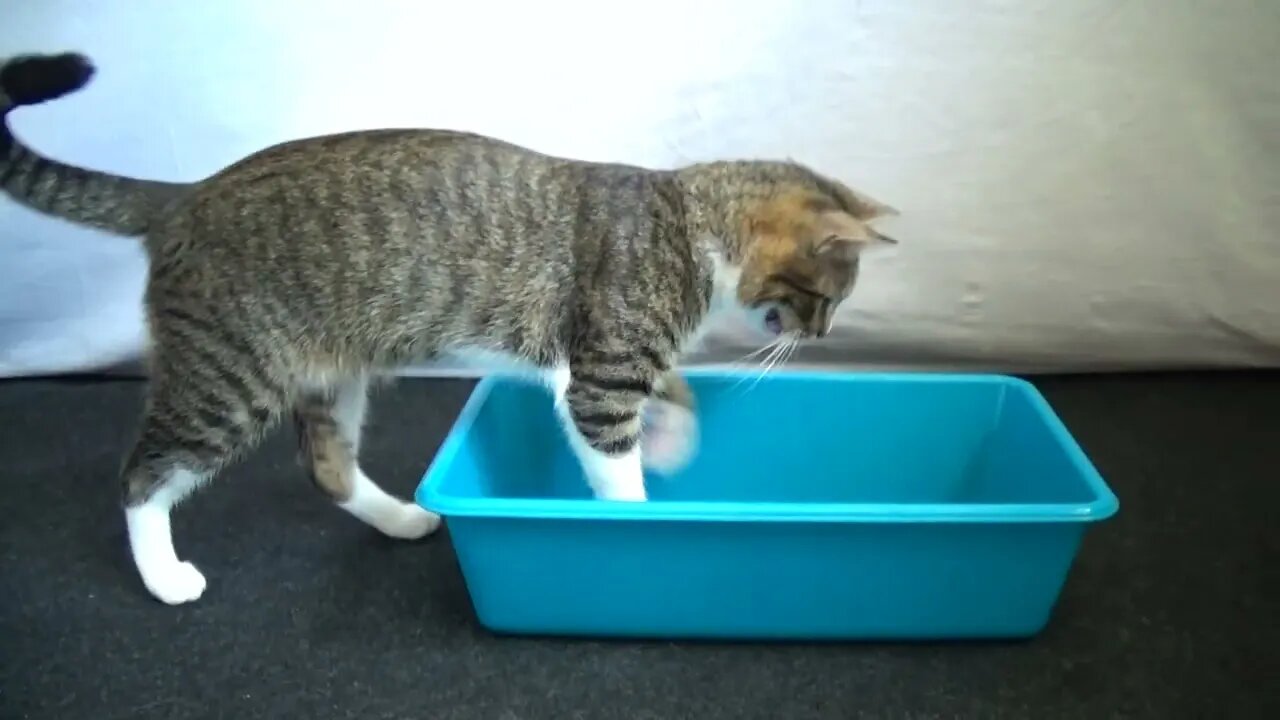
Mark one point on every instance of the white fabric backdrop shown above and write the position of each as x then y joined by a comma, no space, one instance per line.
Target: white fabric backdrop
1085,185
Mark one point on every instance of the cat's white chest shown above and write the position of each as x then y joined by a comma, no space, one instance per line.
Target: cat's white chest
723,307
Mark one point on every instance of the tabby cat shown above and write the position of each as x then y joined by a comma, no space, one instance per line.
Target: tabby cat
282,283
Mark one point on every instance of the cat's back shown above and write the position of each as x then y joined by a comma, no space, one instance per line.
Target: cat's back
413,187
356,189
365,153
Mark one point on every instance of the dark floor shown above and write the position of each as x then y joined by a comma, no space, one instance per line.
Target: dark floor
1172,611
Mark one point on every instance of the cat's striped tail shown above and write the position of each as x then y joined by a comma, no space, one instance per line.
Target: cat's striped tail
117,204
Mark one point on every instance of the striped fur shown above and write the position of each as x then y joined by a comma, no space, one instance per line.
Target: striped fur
279,283
120,205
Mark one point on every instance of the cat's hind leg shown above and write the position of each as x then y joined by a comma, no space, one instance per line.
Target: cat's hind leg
329,422
202,411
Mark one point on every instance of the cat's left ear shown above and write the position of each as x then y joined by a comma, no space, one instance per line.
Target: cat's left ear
846,237
882,239
864,207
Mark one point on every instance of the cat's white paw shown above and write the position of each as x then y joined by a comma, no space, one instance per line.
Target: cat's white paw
409,522
623,494
175,584
389,514
619,477
670,437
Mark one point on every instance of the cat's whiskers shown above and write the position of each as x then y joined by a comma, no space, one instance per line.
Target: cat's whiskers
783,347
765,367
741,363
787,351
783,358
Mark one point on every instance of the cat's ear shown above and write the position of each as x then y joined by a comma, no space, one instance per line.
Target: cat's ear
844,236
865,207
848,249
882,239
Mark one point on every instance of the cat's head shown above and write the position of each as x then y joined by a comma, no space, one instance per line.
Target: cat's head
800,247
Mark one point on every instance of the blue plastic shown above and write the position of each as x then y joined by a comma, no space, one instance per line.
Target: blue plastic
819,506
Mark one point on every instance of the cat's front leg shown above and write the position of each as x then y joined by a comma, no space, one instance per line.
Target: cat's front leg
614,477
602,409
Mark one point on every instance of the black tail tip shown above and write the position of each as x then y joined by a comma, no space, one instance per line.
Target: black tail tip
31,79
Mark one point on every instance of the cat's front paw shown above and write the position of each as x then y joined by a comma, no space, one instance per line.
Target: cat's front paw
670,437
623,494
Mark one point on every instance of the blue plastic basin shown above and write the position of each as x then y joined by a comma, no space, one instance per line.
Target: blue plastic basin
819,506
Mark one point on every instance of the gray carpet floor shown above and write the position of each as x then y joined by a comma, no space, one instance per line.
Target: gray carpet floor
1172,610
